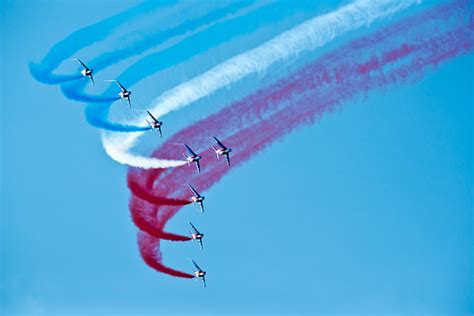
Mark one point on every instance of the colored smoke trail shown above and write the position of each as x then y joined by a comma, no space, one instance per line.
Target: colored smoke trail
82,38
137,189
146,219
160,36
305,37
152,257
97,111
97,114
75,90
370,63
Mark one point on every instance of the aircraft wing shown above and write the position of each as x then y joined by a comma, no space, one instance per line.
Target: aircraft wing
154,119
197,267
190,150
204,281
159,132
219,143
201,206
80,62
192,189
195,229
198,166
120,85
200,243
227,157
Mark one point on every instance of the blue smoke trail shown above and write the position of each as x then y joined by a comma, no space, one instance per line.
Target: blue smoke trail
158,37
84,37
74,91
97,114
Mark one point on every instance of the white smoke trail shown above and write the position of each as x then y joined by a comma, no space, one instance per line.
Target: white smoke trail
306,36
118,149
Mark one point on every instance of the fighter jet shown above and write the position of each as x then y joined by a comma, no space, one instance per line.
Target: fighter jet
197,198
222,150
86,72
192,157
124,94
196,235
154,124
199,273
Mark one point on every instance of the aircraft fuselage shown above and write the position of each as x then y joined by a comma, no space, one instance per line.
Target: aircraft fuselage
193,158
156,124
197,236
197,199
199,274
223,152
125,94
86,72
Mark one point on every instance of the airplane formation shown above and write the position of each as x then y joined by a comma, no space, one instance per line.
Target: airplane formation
190,156
197,199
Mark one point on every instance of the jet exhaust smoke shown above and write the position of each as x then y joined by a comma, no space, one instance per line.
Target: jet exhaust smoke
87,36
149,246
145,195
396,54
304,37
97,112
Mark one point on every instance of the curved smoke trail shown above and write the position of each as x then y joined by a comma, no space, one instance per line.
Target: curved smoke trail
75,90
89,35
397,54
317,88
152,256
234,26
85,37
241,18
306,36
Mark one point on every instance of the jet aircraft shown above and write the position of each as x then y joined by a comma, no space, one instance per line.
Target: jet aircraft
124,94
200,273
155,124
192,157
86,72
197,198
222,150
196,235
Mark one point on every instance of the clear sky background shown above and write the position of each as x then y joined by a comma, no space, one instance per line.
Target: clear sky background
368,211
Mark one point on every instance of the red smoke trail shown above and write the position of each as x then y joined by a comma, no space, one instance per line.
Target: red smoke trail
256,121
145,217
143,194
149,249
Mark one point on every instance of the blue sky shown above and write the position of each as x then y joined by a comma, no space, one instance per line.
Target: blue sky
375,217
